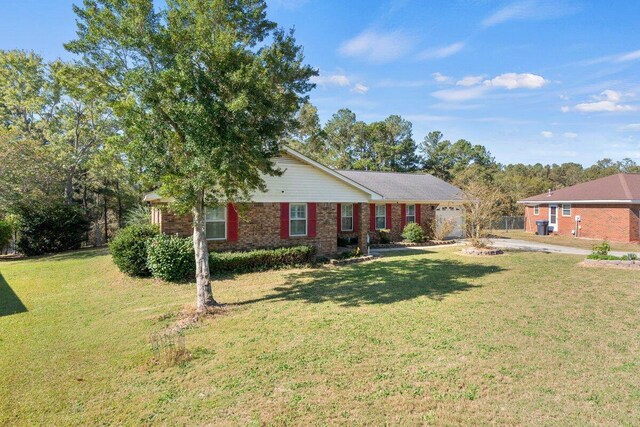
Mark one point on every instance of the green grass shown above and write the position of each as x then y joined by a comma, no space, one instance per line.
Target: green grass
430,337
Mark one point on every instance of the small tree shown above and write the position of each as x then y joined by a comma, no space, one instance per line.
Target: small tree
482,204
206,90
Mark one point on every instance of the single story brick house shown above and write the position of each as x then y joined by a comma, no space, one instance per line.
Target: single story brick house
606,208
314,205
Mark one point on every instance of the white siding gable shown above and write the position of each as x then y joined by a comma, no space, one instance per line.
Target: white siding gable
302,182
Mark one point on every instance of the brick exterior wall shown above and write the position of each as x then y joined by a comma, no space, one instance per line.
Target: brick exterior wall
618,223
259,227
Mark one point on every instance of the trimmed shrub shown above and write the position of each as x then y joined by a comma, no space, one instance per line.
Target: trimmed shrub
129,249
384,235
171,258
627,257
48,228
413,233
261,260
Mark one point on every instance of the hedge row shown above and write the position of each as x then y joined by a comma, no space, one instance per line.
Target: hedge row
139,250
261,260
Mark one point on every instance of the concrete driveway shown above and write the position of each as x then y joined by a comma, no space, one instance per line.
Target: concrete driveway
543,247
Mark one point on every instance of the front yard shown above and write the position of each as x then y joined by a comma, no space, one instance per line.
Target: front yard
429,337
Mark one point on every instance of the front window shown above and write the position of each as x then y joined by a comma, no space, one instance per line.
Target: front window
346,217
216,223
381,217
566,210
298,219
411,214
536,210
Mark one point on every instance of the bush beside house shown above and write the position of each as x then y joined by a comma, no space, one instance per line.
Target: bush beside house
129,249
413,233
171,258
261,260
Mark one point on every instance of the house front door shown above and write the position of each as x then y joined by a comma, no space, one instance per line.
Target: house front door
553,218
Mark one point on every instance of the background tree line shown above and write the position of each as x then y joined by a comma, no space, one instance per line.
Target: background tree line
388,145
59,155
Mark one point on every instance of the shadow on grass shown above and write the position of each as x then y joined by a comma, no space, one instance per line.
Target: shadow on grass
9,301
380,282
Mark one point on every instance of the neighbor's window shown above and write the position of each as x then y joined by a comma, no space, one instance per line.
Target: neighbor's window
381,217
411,214
566,210
536,210
216,223
346,217
298,219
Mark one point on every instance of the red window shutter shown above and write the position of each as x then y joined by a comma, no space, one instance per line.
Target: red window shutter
232,223
284,220
311,213
418,213
403,215
355,216
389,216
339,217
372,217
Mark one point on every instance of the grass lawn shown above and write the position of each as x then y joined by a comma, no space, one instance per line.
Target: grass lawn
430,337
566,241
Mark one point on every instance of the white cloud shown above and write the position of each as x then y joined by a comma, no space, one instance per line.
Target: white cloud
460,94
330,80
515,81
441,52
546,134
602,106
631,127
528,10
610,95
441,78
473,88
570,135
564,108
469,81
607,101
630,56
360,88
377,47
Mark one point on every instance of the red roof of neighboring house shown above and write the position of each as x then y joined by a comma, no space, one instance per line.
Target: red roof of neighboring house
619,188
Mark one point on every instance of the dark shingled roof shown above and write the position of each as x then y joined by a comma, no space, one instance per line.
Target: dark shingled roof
399,186
618,188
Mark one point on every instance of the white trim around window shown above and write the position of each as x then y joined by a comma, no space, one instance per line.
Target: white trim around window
381,217
536,210
298,220
566,209
216,223
410,214
346,217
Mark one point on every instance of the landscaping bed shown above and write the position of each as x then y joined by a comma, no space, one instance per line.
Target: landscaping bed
482,251
353,260
394,245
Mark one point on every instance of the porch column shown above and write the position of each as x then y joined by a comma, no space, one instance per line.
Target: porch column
363,227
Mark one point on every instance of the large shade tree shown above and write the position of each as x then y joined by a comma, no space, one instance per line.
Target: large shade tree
206,89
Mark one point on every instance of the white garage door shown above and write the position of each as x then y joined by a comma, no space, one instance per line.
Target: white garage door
444,213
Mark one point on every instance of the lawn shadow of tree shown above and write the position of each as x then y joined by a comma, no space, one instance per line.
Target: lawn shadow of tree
381,282
9,301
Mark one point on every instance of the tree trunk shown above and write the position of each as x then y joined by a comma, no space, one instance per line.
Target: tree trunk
106,223
68,189
203,280
119,198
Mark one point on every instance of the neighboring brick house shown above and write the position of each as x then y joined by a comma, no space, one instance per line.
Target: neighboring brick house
606,208
313,204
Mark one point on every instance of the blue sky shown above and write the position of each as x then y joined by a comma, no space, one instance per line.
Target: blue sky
532,80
